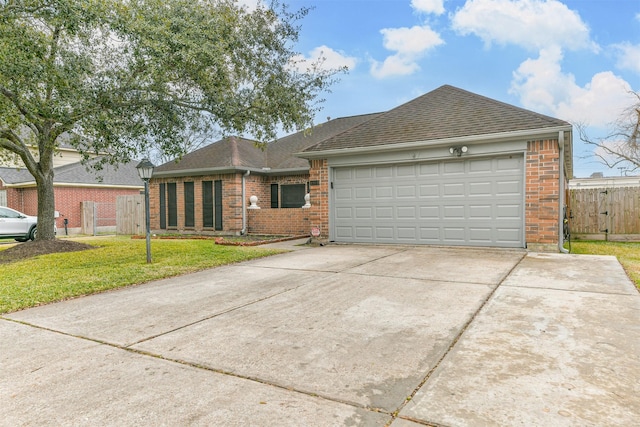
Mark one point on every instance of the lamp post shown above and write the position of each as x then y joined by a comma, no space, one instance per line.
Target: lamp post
145,170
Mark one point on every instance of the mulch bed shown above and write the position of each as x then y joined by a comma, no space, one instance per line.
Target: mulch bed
248,240
40,247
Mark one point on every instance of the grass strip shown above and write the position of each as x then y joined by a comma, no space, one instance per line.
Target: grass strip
114,263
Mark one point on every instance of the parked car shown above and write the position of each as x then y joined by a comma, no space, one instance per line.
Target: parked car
17,225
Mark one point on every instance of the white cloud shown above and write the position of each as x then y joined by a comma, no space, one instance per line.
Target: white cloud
543,86
328,59
532,24
628,56
428,6
410,45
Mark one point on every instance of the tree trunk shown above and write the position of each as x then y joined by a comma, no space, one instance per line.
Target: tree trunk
46,196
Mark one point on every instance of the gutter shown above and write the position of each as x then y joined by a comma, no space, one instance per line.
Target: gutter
226,170
561,200
469,139
244,203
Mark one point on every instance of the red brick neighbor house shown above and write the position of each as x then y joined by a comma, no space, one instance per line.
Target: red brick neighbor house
73,186
448,168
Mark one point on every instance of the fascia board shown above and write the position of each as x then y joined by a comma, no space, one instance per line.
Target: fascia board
215,171
30,184
551,132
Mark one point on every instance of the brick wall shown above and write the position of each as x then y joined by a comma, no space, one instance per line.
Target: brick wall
319,211
542,192
289,222
255,185
541,199
67,201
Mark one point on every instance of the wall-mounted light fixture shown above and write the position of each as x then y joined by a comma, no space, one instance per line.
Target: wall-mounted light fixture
458,151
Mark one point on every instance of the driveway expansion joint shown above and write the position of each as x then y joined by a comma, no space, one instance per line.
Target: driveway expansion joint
458,337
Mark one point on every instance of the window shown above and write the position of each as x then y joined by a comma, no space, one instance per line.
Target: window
163,206
207,204
292,196
172,205
189,207
274,196
218,203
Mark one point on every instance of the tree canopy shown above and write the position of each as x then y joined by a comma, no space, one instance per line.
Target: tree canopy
115,76
621,147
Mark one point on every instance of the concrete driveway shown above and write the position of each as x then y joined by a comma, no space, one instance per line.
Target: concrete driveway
340,335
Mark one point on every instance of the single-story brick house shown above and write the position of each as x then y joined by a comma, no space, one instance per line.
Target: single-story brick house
73,185
448,168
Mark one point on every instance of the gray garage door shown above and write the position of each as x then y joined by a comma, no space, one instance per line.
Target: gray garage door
474,202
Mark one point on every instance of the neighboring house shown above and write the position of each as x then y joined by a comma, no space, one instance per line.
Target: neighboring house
447,168
73,186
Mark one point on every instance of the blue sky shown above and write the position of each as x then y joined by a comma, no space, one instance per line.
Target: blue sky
574,60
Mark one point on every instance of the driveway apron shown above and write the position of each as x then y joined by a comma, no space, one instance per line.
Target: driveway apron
338,335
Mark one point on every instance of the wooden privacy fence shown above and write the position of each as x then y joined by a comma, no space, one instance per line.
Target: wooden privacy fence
130,215
605,213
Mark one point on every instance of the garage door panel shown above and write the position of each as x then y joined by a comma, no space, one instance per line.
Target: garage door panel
363,193
406,191
481,188
384,233
453,189
476,202
430,234
428,169
454,234
480,234
385,192
344,232
345,194
508,235
404,171
509,164
429,190
383,172
364,213
454,168
364,232
480,212
363,173
504,187
481,165
429,212
384,212
407,233
406,212
508,211
453,212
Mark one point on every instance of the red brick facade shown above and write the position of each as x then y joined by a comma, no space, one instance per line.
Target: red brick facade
542,192
542,170
68,202
283,221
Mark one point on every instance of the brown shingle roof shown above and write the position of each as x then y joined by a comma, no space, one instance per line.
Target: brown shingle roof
280,152
446,112
231,152
238,153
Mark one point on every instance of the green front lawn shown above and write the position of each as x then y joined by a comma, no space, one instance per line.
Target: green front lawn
628,254
114,263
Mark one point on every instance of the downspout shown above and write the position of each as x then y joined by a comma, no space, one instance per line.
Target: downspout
561,195
244,203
